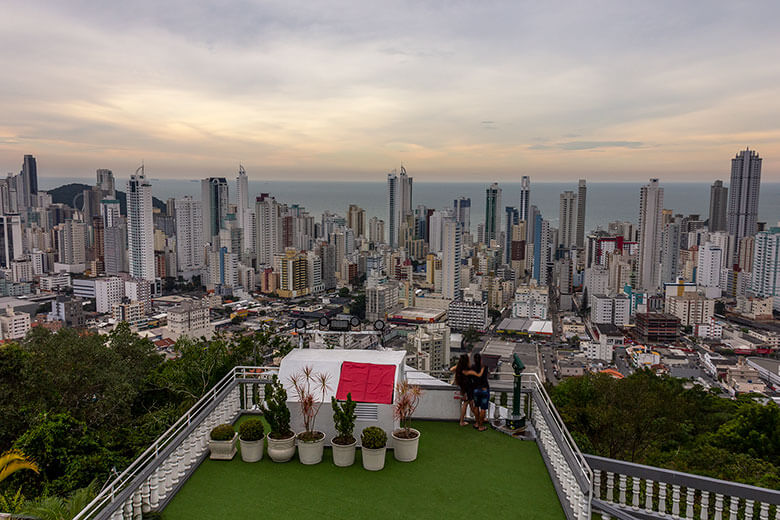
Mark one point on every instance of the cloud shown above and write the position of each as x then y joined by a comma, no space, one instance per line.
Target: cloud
305,87
588,145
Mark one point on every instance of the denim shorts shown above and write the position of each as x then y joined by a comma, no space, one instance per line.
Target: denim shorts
481,398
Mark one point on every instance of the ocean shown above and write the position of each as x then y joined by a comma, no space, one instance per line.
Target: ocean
606,201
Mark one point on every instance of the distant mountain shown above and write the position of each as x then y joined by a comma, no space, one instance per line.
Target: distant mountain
67,193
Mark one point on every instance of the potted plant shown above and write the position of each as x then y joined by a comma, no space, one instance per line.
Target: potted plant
222,442
373,445
281,439
310,388
406,439
344,443
250,435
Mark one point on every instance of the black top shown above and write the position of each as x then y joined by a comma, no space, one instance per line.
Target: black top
481,381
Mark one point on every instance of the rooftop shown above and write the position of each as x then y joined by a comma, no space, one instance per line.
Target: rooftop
459,473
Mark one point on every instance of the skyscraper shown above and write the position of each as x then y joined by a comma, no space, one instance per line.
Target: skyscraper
525,198
105,183
743,195
766,266
269,229
356,220
189,236
242,199
140,228
492,212
450,259
582,192
462,207
651,202
399,202
214,196
567,224
511,218
29,179
670,251
718,203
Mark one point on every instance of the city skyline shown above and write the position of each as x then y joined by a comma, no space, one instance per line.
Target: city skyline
323,93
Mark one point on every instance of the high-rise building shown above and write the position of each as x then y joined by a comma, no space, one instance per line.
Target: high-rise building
766,266
525,198
582,192
140,227
492,212
29,179
269,229
511,218
214,196
462,207
719,195
651,203
243,214
10,239
71,237
356,220
451,259
742,215
399,203
189,235
567,224
106,183
376,230
709,265
670,252
542,244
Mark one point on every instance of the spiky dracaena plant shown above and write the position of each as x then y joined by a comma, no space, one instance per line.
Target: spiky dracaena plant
14,460
407,399
310,388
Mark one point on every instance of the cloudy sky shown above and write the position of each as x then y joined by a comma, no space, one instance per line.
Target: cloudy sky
348,90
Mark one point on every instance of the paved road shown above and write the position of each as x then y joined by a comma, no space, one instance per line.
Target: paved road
621,362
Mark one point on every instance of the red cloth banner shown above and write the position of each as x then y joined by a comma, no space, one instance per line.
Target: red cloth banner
367,382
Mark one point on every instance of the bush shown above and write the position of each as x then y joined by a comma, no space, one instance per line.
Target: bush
251,430
223,432
344,419
373,438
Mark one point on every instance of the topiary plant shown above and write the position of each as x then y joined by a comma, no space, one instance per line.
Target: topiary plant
251,430
373,438
344,419
223,432
275,410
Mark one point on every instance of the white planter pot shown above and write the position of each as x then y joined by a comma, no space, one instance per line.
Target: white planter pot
344,454
310,452
405,450
373,460
251,451
281,450
223,450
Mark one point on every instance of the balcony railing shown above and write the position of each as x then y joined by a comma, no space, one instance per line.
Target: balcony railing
626,490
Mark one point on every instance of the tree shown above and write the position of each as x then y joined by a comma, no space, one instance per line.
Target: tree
56,508
344,292
470,336
358,307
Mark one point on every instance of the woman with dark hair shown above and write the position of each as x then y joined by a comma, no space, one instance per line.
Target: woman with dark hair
462,381
481,391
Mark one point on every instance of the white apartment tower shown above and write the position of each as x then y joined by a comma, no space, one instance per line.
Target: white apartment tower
399,203
766,266
567,224
651,202
268,241
189,235
451,258
140,228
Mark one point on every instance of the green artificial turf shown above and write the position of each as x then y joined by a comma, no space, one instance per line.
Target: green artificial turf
459,473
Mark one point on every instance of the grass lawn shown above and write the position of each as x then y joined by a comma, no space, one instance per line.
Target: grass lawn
459,473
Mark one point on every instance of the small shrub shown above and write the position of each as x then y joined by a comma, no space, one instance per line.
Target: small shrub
223,432
504,399
251,430
344,419
373,438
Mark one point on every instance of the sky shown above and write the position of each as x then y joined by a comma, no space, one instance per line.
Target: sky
606,90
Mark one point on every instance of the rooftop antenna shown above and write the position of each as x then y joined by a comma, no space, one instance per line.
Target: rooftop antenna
241,169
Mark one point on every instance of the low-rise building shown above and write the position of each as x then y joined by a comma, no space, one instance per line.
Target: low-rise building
130,311
691,308
743,379
531,301
754,308
433,340
657,327
190,318
466,314
612,310
14,325
711,330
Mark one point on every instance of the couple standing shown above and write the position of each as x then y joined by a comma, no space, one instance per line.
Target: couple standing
472,380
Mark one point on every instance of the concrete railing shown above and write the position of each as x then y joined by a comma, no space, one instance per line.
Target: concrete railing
153,478
626,490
